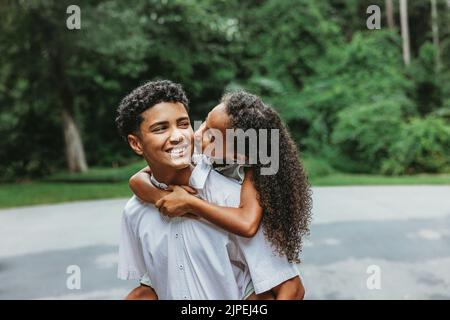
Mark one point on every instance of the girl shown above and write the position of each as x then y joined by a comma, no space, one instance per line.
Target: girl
281,202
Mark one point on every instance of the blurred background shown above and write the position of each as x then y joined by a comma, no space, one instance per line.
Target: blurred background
366,107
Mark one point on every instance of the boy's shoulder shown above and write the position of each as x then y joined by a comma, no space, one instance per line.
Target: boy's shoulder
222,190
136,207
216,180
234,171
204,177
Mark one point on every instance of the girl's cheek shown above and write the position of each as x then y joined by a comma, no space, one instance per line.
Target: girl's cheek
205,143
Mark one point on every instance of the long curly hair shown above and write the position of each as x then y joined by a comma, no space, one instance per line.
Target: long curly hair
286,195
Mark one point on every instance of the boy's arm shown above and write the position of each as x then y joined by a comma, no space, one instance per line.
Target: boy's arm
291,289
243,221
142,293
142,187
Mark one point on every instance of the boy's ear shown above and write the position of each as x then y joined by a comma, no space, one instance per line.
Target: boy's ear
135,144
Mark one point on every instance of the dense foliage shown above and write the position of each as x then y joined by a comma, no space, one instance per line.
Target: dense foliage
343,89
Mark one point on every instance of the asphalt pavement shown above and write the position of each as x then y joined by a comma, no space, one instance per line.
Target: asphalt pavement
383,242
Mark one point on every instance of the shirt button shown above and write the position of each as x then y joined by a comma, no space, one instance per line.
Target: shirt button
185,297
176,235
181,267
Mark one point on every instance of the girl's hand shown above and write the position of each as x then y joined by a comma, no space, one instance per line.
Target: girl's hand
177,203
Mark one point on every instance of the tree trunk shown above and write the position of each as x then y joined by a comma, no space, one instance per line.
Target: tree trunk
76,160
405,31
390,14
435,30
75,156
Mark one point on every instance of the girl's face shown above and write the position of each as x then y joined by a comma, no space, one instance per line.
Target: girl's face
210,138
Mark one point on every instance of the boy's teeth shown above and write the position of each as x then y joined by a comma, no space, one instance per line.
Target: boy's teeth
178,150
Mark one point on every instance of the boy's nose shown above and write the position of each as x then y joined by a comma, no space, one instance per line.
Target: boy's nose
176,137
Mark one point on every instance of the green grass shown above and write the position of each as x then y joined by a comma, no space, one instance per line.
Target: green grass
25,194
341,179
102,183
322,174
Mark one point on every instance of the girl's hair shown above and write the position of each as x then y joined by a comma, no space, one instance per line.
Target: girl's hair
286,195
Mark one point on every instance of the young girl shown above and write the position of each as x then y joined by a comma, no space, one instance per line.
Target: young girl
281,202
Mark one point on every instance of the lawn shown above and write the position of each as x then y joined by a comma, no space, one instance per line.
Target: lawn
340,179
24,194
100,183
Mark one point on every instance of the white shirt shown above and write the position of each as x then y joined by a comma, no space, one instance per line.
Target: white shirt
189,258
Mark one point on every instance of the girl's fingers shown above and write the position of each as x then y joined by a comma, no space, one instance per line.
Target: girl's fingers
159,203
163,210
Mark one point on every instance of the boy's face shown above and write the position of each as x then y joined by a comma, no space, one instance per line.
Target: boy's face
166,136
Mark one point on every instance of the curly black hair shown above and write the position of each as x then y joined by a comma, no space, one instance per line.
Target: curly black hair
144,97
286,195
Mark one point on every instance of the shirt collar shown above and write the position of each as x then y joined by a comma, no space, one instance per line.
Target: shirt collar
198,176
200,172
158,184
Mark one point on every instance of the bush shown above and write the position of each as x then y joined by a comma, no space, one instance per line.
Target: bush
365,133
27,149
316,167
421,146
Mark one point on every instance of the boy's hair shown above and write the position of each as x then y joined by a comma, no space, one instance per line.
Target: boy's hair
131,107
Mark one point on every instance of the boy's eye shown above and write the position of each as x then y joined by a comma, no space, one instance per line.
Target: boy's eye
184,124
159,129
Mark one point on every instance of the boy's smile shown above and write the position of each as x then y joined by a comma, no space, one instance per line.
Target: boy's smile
165,138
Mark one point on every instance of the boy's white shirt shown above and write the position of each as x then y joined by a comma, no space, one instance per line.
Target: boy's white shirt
189,258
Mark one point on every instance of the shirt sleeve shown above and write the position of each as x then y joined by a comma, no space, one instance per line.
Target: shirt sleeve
131,259
146,281
267,269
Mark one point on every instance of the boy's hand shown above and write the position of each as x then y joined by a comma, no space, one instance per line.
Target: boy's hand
177,203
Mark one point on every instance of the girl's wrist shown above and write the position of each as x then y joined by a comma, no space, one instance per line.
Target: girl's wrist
193,204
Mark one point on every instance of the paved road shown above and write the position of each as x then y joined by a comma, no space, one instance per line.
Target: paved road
401,234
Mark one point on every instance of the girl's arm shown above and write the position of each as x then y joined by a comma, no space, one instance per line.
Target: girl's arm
142,187
243,221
